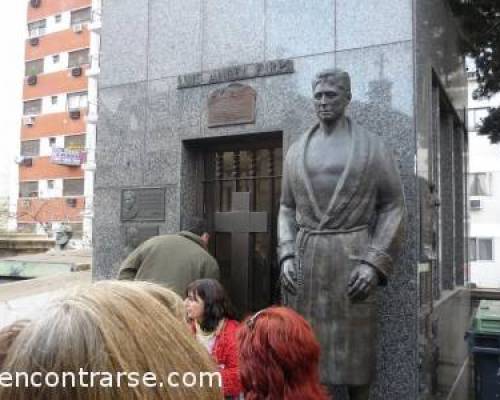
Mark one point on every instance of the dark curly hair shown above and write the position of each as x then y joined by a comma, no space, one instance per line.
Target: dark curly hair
217,303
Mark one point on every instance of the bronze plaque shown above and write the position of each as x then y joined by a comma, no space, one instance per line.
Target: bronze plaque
143,204
232,105
135,235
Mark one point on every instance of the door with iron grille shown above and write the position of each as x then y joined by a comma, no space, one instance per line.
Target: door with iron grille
241,193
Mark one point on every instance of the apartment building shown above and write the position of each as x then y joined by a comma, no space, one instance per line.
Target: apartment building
484,192
56,160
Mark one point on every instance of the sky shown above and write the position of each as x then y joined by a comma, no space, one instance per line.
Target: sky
12,35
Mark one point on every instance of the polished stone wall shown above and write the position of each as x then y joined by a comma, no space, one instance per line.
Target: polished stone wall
144,118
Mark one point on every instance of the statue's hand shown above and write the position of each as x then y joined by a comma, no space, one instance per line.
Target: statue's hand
364,279
289,276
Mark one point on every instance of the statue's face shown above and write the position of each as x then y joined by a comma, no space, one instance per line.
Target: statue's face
330,101
128,199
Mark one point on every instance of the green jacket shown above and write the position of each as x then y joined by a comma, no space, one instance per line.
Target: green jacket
173,261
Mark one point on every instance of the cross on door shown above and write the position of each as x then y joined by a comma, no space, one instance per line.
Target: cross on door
240,222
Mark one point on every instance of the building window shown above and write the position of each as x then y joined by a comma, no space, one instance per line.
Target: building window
475,117
77,100
28,189
75,142
479,184
51,184
55,58
30,148
73,187
37,28
480,249
34,67
78,58
80,16
58,18
32,107
54,99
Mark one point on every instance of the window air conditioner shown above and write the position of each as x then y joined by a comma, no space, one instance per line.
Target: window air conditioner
74,113
475,204
71,202
32,80
35,3
24,161
34,41
28,121
77,28
76,71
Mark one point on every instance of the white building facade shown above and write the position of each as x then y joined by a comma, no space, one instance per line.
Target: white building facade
484,194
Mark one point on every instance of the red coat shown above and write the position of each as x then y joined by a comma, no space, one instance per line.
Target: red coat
226,355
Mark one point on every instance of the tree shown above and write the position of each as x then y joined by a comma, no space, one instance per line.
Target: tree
481,23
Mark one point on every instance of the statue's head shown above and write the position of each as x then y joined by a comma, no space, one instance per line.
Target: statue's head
331,93
128,199
63,234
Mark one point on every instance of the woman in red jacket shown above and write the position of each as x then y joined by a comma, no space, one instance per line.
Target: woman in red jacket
210,312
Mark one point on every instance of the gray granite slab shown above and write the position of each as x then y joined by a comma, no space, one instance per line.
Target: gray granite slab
290,33
175,37
172,112
383,101
233,32
363,23
108,246
438,48
120,141
124,42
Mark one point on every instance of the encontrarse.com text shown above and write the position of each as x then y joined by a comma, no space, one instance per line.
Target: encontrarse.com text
107,379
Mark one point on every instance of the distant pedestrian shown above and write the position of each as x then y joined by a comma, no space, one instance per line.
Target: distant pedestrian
279,357
209,309
173,261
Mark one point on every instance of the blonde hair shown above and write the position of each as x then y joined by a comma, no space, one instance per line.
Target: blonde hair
167,297
110,327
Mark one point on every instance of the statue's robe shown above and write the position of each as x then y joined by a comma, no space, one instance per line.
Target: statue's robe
362,224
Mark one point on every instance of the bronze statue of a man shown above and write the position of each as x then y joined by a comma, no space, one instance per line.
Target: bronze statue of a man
341,224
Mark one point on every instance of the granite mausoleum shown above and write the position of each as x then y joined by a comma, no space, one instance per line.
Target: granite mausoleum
200,99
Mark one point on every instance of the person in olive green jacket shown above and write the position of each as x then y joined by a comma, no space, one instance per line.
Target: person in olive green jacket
173,261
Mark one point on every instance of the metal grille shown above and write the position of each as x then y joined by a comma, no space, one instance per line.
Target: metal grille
34,67
28,189
76,142
257,171
30,148
73,187
80,16
78,58
32,107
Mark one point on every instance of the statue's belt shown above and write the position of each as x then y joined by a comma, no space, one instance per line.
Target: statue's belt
303,236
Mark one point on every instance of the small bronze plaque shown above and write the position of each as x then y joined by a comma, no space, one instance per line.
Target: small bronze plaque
232,105
143,204
135,235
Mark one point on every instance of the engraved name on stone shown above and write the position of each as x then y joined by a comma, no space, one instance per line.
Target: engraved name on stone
236,73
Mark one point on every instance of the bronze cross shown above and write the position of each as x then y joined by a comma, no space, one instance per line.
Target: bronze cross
240,222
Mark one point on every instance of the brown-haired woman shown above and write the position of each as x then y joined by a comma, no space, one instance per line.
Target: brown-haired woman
279,357
109,328
210,312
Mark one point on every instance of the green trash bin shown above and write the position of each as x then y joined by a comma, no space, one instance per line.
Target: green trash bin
484,344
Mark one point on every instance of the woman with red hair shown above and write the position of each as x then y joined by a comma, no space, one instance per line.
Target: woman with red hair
279,357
